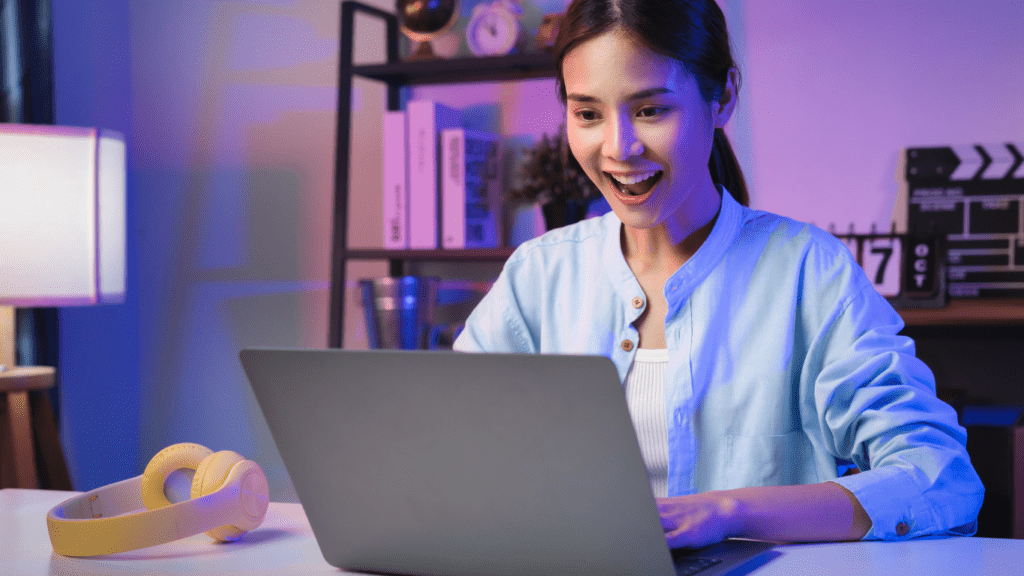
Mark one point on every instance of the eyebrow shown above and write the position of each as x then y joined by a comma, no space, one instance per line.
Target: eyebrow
635,96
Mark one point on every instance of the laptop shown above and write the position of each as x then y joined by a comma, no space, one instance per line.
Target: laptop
419,462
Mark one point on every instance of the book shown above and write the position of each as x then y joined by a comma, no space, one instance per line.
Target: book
395,199
426,119
470,189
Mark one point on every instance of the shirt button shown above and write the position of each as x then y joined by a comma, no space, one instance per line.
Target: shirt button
902,529
627,345
638,302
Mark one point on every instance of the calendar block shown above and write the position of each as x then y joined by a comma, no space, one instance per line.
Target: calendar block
882,260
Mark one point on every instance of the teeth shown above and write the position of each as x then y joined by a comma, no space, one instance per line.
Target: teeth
633,179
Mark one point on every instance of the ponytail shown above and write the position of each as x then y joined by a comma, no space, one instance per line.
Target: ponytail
725,170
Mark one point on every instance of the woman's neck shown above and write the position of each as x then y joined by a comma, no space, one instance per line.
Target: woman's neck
670,244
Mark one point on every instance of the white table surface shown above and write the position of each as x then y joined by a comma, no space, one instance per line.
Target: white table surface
284,545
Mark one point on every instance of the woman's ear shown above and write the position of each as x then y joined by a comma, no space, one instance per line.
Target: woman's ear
726,103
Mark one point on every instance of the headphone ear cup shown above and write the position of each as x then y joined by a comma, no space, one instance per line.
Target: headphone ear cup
174,457
209,477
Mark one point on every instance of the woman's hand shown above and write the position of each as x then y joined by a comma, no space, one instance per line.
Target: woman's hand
698,519
824,512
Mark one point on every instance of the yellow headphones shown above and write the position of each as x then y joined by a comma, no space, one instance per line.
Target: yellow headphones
229,498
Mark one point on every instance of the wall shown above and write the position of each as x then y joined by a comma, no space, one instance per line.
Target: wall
233,134
228,107
229,111
99,375
834,91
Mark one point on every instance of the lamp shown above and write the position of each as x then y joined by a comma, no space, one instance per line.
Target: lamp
62,243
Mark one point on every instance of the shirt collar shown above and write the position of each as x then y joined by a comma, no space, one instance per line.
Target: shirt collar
690,274
710,253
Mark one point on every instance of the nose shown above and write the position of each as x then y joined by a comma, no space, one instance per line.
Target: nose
620,140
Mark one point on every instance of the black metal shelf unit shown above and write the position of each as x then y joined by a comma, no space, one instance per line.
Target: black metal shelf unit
396,74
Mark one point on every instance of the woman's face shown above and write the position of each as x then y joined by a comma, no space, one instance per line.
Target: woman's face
640,129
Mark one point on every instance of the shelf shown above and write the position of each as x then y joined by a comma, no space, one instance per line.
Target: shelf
957,312
962,312
445,71
398,74
475,254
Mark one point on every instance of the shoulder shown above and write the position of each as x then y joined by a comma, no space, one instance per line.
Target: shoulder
790,251
789,235
584,236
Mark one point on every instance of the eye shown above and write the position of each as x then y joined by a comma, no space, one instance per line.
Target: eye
585,115
651,111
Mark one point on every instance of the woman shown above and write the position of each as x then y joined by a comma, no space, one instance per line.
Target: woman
758,361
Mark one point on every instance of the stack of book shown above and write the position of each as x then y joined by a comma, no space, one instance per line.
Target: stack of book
442,182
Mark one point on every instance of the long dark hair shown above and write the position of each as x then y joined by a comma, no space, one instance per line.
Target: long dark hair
691,31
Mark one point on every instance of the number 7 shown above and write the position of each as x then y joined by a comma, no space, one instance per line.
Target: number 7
886,253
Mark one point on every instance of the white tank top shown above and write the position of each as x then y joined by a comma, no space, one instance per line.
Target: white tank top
645,396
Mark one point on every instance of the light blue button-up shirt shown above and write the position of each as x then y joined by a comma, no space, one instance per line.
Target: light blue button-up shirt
784,363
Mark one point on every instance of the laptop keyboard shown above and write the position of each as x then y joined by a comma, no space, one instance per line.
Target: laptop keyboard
687,566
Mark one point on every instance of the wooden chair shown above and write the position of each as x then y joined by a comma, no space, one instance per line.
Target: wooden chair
26,423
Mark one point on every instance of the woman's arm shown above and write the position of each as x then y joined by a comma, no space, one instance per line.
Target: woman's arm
812,512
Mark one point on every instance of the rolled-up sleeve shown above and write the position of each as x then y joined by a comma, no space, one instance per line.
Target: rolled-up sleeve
876,405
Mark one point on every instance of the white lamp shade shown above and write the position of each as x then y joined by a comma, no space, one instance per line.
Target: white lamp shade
62,216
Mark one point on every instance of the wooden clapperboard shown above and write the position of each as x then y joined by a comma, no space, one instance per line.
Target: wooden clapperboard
972,198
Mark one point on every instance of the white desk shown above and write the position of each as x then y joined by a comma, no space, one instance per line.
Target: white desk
284,545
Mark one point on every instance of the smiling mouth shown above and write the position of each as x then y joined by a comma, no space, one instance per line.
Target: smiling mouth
635,185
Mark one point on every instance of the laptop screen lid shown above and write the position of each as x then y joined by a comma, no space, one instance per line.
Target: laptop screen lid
415,462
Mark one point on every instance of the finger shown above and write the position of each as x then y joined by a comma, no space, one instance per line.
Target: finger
684,538
667,503
668,523
677,529
679,538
